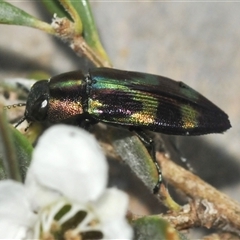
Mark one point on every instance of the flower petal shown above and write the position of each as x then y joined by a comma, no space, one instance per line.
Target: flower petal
117,229
68,160
16,217
111,208
112,203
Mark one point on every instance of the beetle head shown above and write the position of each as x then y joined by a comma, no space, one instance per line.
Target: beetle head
37,102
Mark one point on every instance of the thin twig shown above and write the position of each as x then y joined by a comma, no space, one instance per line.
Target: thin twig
80,47
210,208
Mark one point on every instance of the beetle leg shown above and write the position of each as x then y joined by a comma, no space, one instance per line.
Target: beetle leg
86,122
149,144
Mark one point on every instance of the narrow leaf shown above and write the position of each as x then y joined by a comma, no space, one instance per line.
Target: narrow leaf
12,15
134,153
7,151
55,7
23,149
89,27
153,227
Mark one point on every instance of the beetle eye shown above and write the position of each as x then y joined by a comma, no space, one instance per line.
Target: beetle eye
39,110
44,103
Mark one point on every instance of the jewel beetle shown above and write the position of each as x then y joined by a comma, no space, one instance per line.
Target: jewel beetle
138,101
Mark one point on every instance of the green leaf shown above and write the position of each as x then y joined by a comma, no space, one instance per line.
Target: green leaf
90,31
23,149
54,6
10,14
7,152
153,227
135,154
89,27
15,152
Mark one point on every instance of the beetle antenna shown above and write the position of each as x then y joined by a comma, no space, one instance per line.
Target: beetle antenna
20,121
15,105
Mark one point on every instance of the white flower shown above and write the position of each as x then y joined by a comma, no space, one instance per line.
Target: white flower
16,216
65,193
72,162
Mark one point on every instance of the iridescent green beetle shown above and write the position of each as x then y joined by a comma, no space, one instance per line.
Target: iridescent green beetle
133,100
125,98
